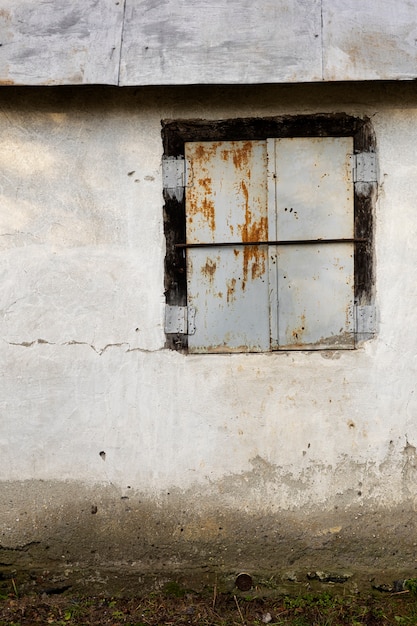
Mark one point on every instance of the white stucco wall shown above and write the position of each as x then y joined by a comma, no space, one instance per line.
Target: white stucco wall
82,359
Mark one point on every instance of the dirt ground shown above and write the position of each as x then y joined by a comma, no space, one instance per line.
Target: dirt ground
175,606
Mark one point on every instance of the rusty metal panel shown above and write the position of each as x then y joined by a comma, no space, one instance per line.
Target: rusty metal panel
314,198
257,298
228,286
178,42
369,40
60,42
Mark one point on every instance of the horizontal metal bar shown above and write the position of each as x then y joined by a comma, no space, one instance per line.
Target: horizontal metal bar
295,242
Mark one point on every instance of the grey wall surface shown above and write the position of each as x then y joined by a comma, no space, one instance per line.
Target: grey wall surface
58,43
177,42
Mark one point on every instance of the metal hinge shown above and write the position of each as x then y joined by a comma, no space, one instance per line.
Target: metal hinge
174,176
365,318
180,319
364,167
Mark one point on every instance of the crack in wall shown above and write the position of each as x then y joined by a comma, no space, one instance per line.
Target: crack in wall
73,342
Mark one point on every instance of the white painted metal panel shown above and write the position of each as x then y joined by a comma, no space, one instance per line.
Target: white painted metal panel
314,197
233,41
315,296
369,40
59,42
314,187
227,286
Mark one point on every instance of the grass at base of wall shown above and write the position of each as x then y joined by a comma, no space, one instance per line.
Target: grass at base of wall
175,606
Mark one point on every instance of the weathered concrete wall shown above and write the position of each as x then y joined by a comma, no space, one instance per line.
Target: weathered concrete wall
118,455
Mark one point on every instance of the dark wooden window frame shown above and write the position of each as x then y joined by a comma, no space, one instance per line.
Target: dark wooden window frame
175,133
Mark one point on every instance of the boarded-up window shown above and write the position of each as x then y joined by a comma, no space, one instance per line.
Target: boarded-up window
270,238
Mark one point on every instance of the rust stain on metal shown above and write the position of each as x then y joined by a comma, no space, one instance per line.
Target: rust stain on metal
209,269
208,210
297,333
343,340
204,152
206,184
242,156
204,206
253,256
194,203
231,288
